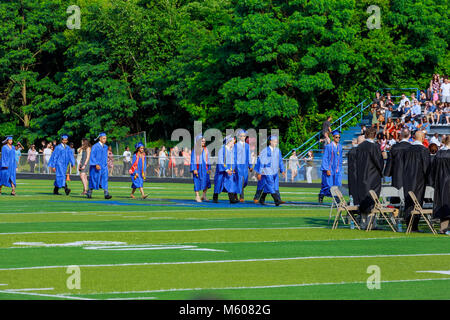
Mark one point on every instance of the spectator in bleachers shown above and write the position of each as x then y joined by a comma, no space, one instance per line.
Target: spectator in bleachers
445,91
402,104
440,114
406,110
416,110
326,130
423,97
425,125
446,113
391,140
435,139
435,87
375,116
389,129
429,111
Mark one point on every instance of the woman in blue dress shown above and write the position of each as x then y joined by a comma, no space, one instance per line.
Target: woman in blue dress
137,170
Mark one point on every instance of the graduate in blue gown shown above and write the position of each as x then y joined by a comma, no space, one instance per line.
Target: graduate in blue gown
59,161
259,185
331,166
137,170
200,168
225,179
271,164
98,167
8,166
242,150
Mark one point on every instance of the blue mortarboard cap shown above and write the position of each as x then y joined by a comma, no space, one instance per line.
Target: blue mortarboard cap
335,132
100,135
241,131
7,138
228,139
273,137
64,136
138,145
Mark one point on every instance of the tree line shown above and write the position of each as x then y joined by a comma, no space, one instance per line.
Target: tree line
159,65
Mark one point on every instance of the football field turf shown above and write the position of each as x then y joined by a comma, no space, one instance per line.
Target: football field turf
170,247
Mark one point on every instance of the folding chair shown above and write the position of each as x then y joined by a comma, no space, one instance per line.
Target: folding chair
419,210
342,207
379,208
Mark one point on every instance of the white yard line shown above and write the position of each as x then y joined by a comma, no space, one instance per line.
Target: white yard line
136,298
267,287
232,261
30,289
177,230
45,295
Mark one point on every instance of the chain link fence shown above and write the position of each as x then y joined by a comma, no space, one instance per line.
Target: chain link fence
179,167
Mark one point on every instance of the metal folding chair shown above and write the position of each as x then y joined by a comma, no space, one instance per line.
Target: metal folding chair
419,210
379,208
341,207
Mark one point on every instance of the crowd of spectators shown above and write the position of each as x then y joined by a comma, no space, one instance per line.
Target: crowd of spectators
418,112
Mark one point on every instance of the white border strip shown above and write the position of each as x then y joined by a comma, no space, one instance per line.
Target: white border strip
231,261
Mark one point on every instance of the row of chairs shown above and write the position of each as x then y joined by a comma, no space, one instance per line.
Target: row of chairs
389,212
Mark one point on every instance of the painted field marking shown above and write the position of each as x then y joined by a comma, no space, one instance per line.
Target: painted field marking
69,244
135,298
45,295
230,261
177,230
439,272
266,287
31,289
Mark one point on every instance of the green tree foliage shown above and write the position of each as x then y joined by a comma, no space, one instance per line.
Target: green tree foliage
158,65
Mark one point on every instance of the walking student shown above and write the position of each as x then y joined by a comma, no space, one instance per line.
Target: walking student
137,170
8,166
59,161
98,168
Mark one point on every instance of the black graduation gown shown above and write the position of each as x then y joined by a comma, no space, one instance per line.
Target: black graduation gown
395,163
416,171
369,172
352,180
441,182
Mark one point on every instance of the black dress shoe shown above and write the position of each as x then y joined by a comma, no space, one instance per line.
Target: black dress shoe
108,196
55,191
67,191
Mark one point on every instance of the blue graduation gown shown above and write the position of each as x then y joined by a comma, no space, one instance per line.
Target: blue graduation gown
243,164
98,178
257,168
271,164
59,160
201,180
8,166
332,161
226,160
137,180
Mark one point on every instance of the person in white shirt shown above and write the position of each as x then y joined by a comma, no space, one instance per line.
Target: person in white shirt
47,154
445,92
293,165
402,102
435,139
126,160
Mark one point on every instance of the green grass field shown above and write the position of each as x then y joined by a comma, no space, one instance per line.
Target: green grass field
169,247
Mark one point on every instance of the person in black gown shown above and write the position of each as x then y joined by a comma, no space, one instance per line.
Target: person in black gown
369,172
395,161
440,174
416,168
352,178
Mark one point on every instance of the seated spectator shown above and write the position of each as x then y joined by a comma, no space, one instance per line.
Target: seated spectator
413,97
445,91
391,141
446,113
429,111
402,104
390,127
416,110
423,97
435,139
440,114
406,110
425,125
409,125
